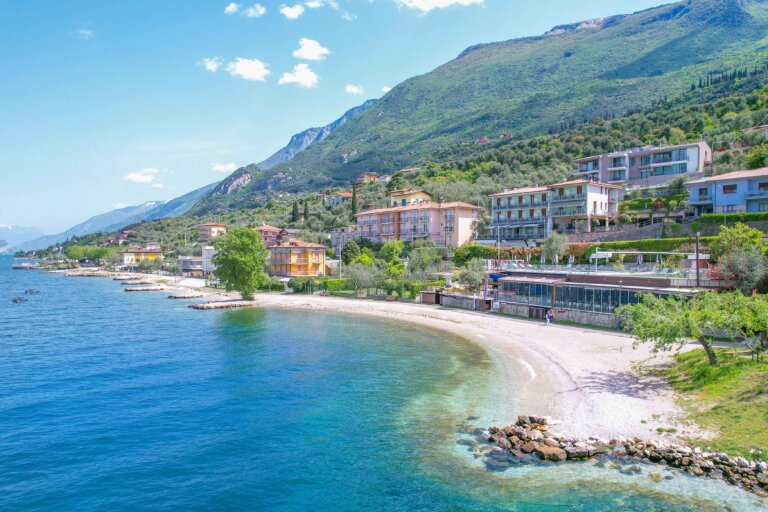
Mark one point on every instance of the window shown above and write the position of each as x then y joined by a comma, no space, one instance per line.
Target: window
645,160
763,187
703,192
729,189
762,207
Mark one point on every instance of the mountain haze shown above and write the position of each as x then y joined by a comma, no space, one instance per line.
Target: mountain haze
527,86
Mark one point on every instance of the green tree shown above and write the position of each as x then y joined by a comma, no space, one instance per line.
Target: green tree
364,277
473,274
363,259
354,200
677,186
397,181
738,236
391,250
350,252
757,157
554,247
295,212
306,210
670,322
744,265
75,252
241,260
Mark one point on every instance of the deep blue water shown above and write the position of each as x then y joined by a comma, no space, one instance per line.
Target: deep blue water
117,401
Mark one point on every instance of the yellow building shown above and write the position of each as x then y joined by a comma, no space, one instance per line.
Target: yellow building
135,256
210,231
367,177
404,197
296,258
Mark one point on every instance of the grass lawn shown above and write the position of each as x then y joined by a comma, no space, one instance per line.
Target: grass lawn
731,399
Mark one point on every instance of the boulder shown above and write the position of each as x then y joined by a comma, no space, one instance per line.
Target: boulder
523,420
551,453
576,452
529,447
551,442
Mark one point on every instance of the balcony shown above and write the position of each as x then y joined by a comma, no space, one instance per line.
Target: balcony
700,200
568,197
568,212
760,194
517,221
512,206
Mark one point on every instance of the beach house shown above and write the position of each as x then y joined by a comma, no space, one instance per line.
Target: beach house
579,206
733,192
211,230
296,258
520,214
137,255
446,224
271,235
646,166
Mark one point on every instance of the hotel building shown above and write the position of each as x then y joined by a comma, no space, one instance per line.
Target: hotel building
733,192
296,258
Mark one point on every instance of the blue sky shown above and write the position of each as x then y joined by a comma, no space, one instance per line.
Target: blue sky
113,103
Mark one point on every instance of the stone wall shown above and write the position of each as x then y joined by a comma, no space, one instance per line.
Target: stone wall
463,302
565,315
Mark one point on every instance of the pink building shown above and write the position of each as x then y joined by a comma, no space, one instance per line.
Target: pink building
446,224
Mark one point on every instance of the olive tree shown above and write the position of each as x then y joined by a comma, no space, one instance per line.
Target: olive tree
241,261
554,247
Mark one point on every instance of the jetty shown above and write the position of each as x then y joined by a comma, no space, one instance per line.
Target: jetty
87,273
136,282
221,305
146,289
186,296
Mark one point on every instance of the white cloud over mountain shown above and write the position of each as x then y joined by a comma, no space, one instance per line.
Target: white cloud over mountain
309,49
301,75
220,167
249,69
357,90
147,176
427,5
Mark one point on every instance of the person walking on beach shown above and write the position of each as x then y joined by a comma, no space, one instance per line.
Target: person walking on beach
550,316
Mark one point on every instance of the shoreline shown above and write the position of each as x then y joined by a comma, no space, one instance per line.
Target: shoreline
581,378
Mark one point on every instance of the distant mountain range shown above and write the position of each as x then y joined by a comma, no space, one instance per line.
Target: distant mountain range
522,87
117,219
14,235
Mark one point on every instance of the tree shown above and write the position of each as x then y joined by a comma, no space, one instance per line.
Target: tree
306,210
744,265
75,252
354,200
391,250
241,259
677,186
295,212
757,157
554,247
670,322
397,181
350,252
473,274
364,277
364,260
737,236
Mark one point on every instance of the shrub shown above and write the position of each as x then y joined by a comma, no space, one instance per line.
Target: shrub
717,218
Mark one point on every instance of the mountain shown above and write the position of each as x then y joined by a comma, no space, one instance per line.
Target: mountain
527,86
303,140
14,235
117,219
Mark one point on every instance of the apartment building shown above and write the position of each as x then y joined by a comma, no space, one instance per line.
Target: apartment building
647,166
211,230
271,235
575,206
137,255
405,197
520,214
447,224
733,192
296,258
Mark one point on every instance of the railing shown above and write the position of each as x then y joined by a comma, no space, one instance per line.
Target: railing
759,194
517,220
568,197
562,212
511,206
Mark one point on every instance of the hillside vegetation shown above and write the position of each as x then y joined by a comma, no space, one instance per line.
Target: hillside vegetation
532,85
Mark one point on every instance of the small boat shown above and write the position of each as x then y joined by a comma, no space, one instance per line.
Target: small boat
31,291
24,266
19,300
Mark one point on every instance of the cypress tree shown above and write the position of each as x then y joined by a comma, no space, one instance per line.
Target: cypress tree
354,199
295,212
306,210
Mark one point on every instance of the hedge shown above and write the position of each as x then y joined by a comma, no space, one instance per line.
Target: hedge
488,252
717,218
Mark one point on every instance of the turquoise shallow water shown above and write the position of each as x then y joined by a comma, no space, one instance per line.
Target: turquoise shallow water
117,401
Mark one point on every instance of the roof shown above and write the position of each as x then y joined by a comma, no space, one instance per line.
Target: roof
294,243
584,182
640,150
524,190
267,227
426,205
212,225
408,191
140,250
736,175
343,194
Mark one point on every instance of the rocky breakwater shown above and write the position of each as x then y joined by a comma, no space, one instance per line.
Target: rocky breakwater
530,439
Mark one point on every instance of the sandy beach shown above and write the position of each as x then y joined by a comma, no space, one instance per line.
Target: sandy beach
588,380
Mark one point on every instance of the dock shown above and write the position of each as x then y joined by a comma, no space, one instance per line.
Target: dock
146,289
186,296
222,305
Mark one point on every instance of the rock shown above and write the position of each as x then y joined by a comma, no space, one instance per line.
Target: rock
517,453
551,442
619,451
504,443
656,477
576,452
529,447
523,420
551,453
654,457
540,420
535,435
685,461
761,467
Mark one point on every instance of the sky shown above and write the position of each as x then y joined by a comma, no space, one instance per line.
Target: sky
107,104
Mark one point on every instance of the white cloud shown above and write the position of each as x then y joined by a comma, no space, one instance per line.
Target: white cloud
84,33
118,206
386,89
357,90
316,4
309,49
292,13
211,64
348,16
427,5
256,11
301,75
249,69
230,167
232,8
148,176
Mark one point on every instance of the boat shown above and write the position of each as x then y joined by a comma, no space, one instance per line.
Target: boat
24,266
31,291
19,300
